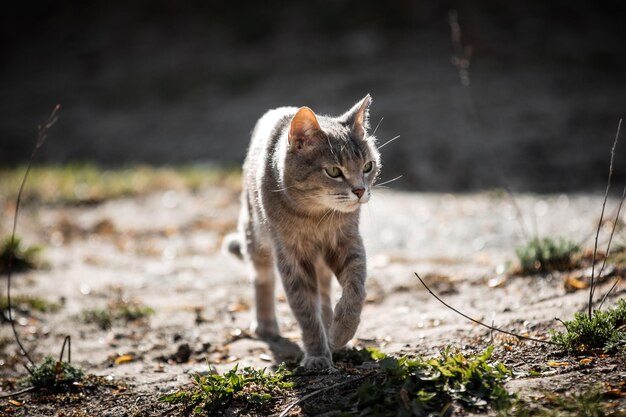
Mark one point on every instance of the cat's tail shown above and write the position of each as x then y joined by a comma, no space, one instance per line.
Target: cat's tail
233,244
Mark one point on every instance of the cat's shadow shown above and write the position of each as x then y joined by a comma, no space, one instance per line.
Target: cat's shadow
283,349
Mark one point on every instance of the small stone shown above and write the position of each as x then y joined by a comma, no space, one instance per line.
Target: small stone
183,353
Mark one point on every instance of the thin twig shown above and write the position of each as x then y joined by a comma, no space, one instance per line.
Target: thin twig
608,246
16,393
480,322
560,321
606,196
319,391
461,60
617,281
68,341
42,132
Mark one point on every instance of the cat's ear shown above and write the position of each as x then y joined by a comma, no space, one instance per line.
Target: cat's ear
358,117
304,128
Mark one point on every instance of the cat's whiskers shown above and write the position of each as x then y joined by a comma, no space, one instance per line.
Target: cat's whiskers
330,145
278,190
329,211
377,126
387,182
388,142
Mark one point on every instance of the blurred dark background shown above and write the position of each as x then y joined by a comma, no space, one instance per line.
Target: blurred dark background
183,82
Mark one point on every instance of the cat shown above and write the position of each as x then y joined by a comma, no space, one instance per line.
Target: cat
305,178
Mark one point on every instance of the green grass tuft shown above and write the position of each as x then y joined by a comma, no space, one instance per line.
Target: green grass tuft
27,303
56,376
604,330
429,387
118,311
215,392
24,258
547,254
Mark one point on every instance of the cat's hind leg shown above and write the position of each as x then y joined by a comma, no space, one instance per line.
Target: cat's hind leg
263,275
260,259
256,251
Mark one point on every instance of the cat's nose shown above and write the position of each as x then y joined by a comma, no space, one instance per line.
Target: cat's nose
359,192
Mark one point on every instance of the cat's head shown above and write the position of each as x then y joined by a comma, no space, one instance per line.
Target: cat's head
331,162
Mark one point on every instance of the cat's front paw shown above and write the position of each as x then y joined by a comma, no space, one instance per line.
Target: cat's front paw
316,362
347,346
265,329
341,333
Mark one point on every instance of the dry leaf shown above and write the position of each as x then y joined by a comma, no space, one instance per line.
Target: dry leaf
615,392
239,307
119,390
497,282
586,361
104,227
572,283
123,359
554,364
15,403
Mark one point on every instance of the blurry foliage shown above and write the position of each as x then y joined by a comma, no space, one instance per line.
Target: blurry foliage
214,393
546,254
119,310
606,330
24,258
85,183
587,403
618,256
53,375
27,303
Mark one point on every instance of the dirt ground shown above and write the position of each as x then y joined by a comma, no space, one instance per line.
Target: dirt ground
163,251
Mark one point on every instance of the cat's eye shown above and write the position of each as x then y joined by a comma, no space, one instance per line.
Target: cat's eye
368,167
333,172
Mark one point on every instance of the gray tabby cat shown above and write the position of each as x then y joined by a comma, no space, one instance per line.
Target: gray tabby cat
304,180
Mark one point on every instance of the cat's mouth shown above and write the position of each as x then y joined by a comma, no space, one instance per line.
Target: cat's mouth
350,206
342,202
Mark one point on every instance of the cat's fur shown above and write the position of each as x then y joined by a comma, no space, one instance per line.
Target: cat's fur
298,220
